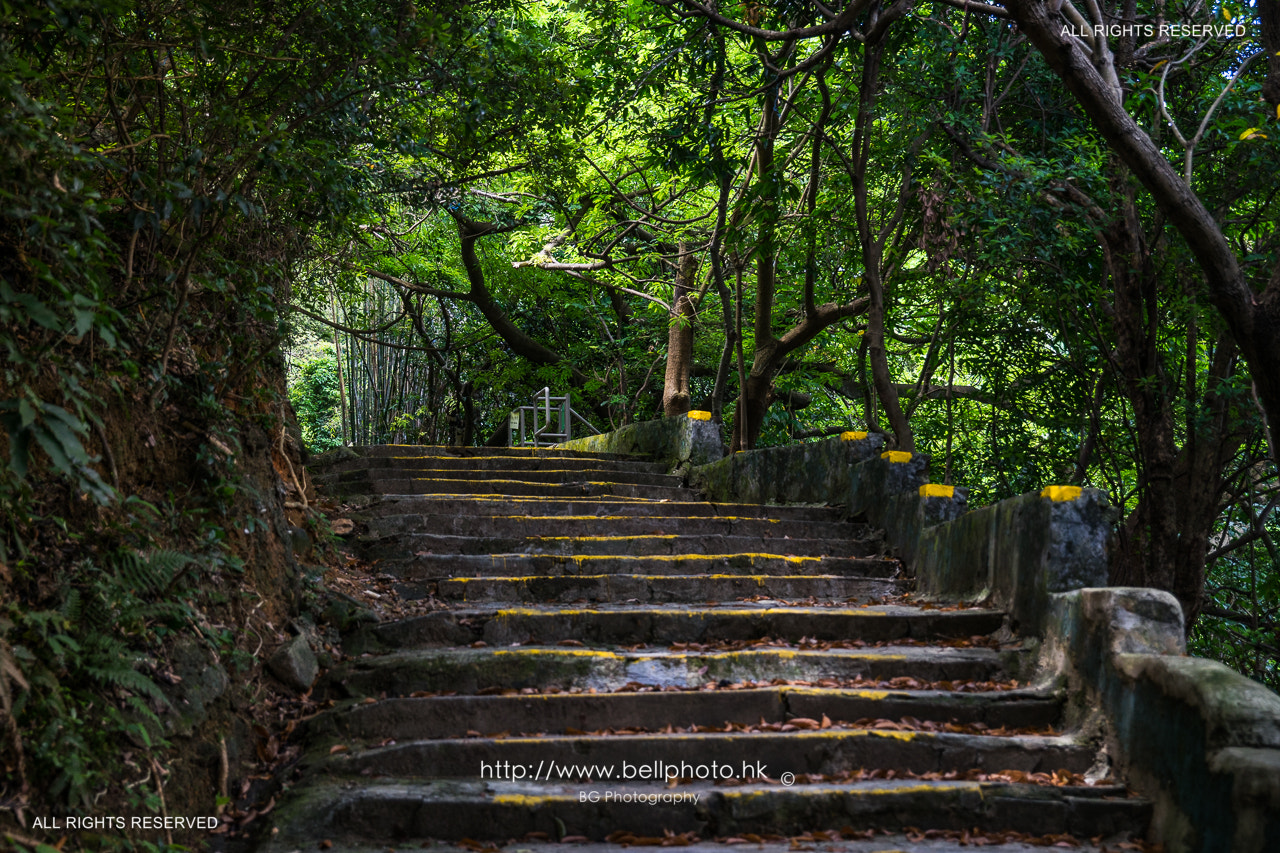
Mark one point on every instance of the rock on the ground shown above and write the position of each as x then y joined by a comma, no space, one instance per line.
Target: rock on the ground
295,664
200,681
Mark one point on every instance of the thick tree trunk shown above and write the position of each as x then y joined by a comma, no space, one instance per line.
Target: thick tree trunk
886,390
1146,556
872,255
757,393
513,335
1253,318
1164,542
675,388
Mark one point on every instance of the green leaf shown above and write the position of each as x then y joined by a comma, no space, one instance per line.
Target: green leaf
53,447
26,412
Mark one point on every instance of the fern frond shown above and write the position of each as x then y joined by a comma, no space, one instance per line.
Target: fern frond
95,612
164,610
154,572
71,605
137,574
169,562
126,679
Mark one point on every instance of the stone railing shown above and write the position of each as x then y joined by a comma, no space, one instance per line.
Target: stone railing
1197,738
680,443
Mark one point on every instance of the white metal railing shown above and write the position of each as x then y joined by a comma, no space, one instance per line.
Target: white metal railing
548,421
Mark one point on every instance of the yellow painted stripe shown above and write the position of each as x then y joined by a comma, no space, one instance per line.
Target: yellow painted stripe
698,612
759,579
896,456
937,490
1058,494
526,800
699,416
662,518
852,435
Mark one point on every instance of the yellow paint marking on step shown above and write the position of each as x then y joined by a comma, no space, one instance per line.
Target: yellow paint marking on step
852,435
512,612
1059,494
896,456
937,490
527,578
604,539
607,517
760,579
699,612
913,789
902,736
504,578
789,558
785,654
580,653
475,497
826,692
526,800
699,416
740,794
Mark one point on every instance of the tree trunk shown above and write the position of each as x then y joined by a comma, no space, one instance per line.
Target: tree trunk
675,388
759,382
1150,535
337,360
1253,318
872,254
1164,542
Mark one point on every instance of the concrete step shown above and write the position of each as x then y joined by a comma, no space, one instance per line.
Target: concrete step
592,614
395,811
684,623
392,507
666,544
511,525
342,479
651,588
465,567
421,486
468,670
455,716
870,841
506,462
581,758
381,450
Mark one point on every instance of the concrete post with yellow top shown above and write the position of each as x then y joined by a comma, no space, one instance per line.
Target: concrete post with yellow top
908,514
679,442
893,472
815,472
1018,552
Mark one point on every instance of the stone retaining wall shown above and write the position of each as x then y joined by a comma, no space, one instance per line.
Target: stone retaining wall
817,472
678,442
1196,737
1199,739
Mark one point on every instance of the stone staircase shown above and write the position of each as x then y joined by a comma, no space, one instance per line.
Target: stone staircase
611,660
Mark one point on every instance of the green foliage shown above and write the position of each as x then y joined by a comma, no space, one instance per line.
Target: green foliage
314,396
990,187
173,183
83,656
161,173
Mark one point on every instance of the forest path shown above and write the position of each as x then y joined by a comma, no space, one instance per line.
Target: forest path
615,661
